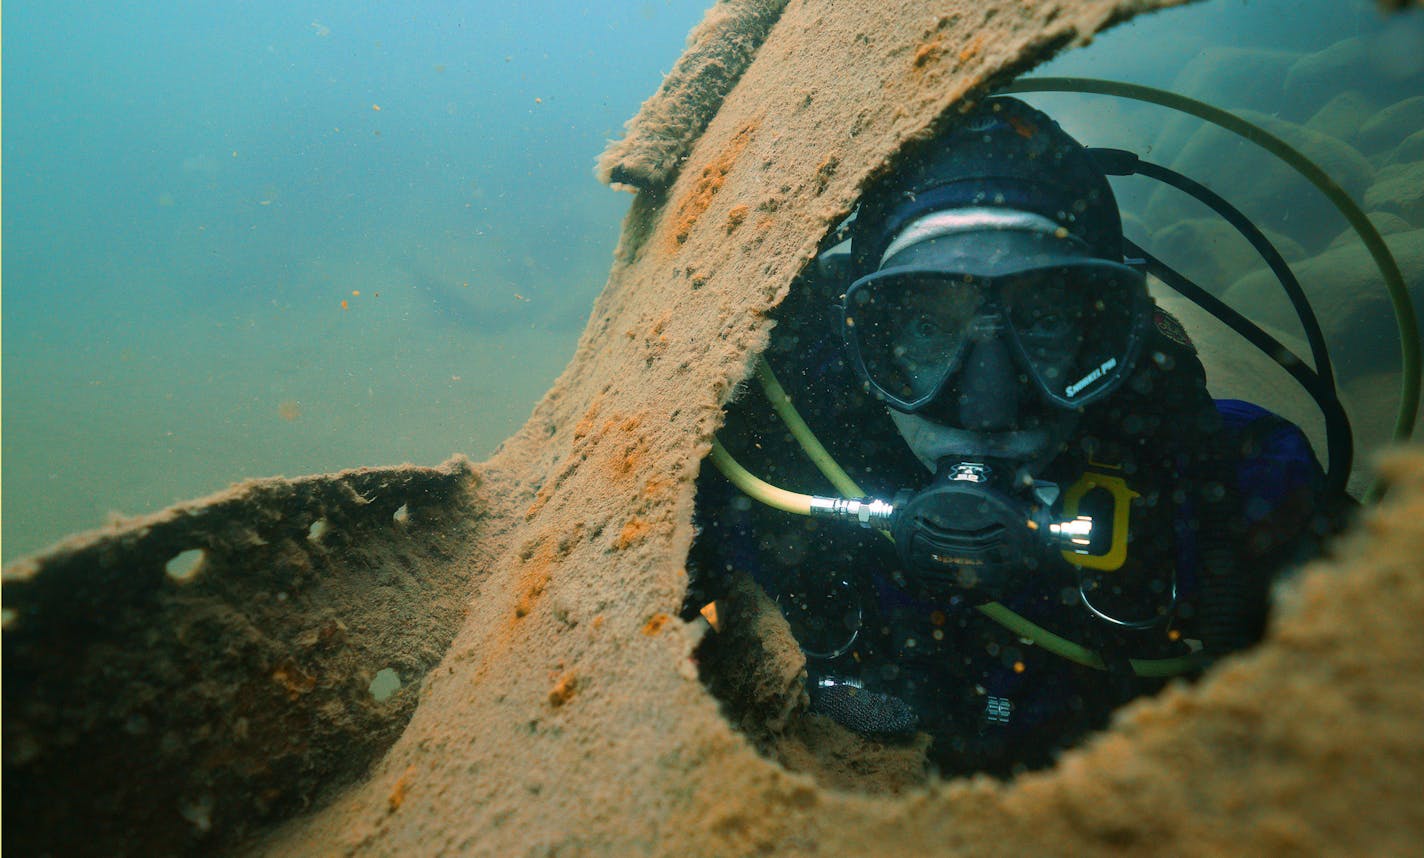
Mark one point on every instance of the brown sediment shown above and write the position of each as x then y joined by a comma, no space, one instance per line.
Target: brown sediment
563,690
736,215
659,137
167,712
709,181
557,713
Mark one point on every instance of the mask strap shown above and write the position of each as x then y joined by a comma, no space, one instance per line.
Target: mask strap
973,219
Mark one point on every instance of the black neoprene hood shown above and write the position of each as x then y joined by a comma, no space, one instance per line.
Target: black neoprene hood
1001,154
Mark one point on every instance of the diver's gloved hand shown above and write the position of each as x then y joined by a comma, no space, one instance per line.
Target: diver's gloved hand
869,713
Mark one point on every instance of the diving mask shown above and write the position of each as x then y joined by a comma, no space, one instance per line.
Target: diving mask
1007,282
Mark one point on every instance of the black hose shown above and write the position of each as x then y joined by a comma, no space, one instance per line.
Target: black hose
1339,441
1405,316
1123,163
1230,601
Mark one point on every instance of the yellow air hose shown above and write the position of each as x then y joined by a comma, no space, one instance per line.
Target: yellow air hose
754,487
800,504
820,457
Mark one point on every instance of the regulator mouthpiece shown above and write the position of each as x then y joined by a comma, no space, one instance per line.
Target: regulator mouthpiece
966,531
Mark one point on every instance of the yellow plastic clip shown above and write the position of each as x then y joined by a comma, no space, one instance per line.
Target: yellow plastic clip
1122,497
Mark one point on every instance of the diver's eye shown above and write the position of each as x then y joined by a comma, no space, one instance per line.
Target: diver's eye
1048,325
925,328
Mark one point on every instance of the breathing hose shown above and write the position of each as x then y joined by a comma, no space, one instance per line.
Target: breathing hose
1389,269
1319,382
755,487
820,457
800,504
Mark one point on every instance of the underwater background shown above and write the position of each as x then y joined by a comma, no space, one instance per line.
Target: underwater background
255,239
1341,83
260,238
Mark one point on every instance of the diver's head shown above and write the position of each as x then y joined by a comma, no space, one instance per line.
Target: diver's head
991,303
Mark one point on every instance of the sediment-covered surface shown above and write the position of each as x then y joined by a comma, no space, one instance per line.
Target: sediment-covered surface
192,676
567,715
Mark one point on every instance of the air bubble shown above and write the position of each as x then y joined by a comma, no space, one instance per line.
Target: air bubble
185,565
385,683
199,812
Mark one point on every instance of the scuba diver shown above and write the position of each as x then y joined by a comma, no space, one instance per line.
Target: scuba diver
1084,521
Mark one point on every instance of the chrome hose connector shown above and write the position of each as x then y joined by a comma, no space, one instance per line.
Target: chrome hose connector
1075,535
867,512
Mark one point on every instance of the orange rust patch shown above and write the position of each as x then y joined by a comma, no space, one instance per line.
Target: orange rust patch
709,182
541,497
537,562
588,421
627,455
929,52
563,690
295,680
632,532
615,445
972,50
736,216
397,796
657,487
656,624
534,586
655,342
534,579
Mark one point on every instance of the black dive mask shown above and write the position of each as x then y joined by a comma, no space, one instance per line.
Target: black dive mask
1008,297
1073,335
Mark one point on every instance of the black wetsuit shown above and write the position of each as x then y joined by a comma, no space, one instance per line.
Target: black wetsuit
1202,548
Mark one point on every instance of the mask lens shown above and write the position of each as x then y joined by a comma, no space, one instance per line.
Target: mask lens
910,331
1075,328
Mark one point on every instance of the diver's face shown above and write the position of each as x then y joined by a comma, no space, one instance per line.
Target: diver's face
935,328
1032,447
995,366
987,407
956,338
1050,320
